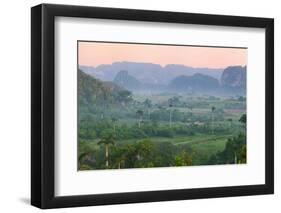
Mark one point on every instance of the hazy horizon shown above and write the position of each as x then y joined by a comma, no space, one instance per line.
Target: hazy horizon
159,65
98,53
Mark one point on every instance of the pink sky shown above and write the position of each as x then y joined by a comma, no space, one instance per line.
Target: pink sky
96,53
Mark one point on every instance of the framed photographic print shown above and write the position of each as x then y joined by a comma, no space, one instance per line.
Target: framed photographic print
139,106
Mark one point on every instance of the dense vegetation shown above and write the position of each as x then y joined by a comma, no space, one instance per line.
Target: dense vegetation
119,129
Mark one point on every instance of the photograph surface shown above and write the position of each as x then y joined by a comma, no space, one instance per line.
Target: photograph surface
160,105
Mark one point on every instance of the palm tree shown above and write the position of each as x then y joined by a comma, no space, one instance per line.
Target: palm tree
143,149
114,120
103,104
148,104
235,158
119,156
190,107
139,115
121,160
170,116
212,123
107,141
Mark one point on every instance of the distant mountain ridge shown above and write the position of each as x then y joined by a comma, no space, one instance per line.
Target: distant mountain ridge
195,83
234,76
148,72
231,82
127,81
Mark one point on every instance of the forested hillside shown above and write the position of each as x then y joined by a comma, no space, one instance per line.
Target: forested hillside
95,96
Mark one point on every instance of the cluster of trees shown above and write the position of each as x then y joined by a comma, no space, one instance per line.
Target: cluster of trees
110,154
150,120
235,151
140,154
90,130
167,112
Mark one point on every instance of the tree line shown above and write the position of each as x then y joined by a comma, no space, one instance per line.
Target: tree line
144,153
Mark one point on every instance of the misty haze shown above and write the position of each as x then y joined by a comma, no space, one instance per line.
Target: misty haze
135,114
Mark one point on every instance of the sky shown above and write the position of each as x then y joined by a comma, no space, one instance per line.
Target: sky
96,53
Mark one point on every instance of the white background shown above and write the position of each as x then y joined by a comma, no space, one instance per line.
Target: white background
70,182
15,106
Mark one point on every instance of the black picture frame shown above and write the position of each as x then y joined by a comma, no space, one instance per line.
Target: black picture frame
43,105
